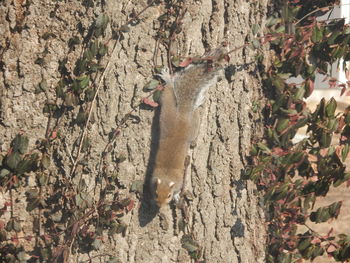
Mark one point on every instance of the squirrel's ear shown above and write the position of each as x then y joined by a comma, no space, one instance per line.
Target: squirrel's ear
171,184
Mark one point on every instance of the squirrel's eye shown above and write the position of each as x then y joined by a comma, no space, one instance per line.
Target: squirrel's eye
169,196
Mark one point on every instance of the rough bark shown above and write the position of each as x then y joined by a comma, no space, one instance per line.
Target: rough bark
224,216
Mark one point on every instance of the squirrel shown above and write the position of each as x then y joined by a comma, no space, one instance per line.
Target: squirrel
179,120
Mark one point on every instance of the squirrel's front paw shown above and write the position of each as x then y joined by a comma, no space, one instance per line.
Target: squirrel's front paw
165,75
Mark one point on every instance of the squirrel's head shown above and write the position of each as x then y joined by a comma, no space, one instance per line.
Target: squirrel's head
163,191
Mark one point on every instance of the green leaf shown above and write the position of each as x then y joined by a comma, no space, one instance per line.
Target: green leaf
279,83
81,117
32,204
263,147
281,29
286,258
89,94
304,244
334,209
112,259
24,166
157,95
3,236
17,226
271,21
332,124
341,180
9,225
325,140
45,161
101,24
41,87
81,65
102,50
189,244
73,41
4,172
137,186
13,160
70,100
83,81
60,92
256,43
94,48
151,85
317,34
88,56
347,118
321,215
94,67
125,28
333,37
255,29
96,244
299,95
282,124
121,229
20,144
331,106
175,60
32,193
86,145
254,150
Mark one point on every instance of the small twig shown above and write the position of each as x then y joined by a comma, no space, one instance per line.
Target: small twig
90,111
96,93
39,215
69,153
138,14
11,203
125,118
326,8
98,256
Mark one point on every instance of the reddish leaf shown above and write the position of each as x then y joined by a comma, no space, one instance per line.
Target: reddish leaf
15,240
47,237
347,74
227,58
312,158
332,82
341,124
342,91
316,240
324,152
279,151
185,62
149,102
314,178
331,248
130,206
53,135
310,86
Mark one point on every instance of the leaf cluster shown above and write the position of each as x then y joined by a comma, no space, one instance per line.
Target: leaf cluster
293,175
66,217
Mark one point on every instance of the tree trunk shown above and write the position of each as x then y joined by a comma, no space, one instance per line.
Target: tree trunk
223,217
